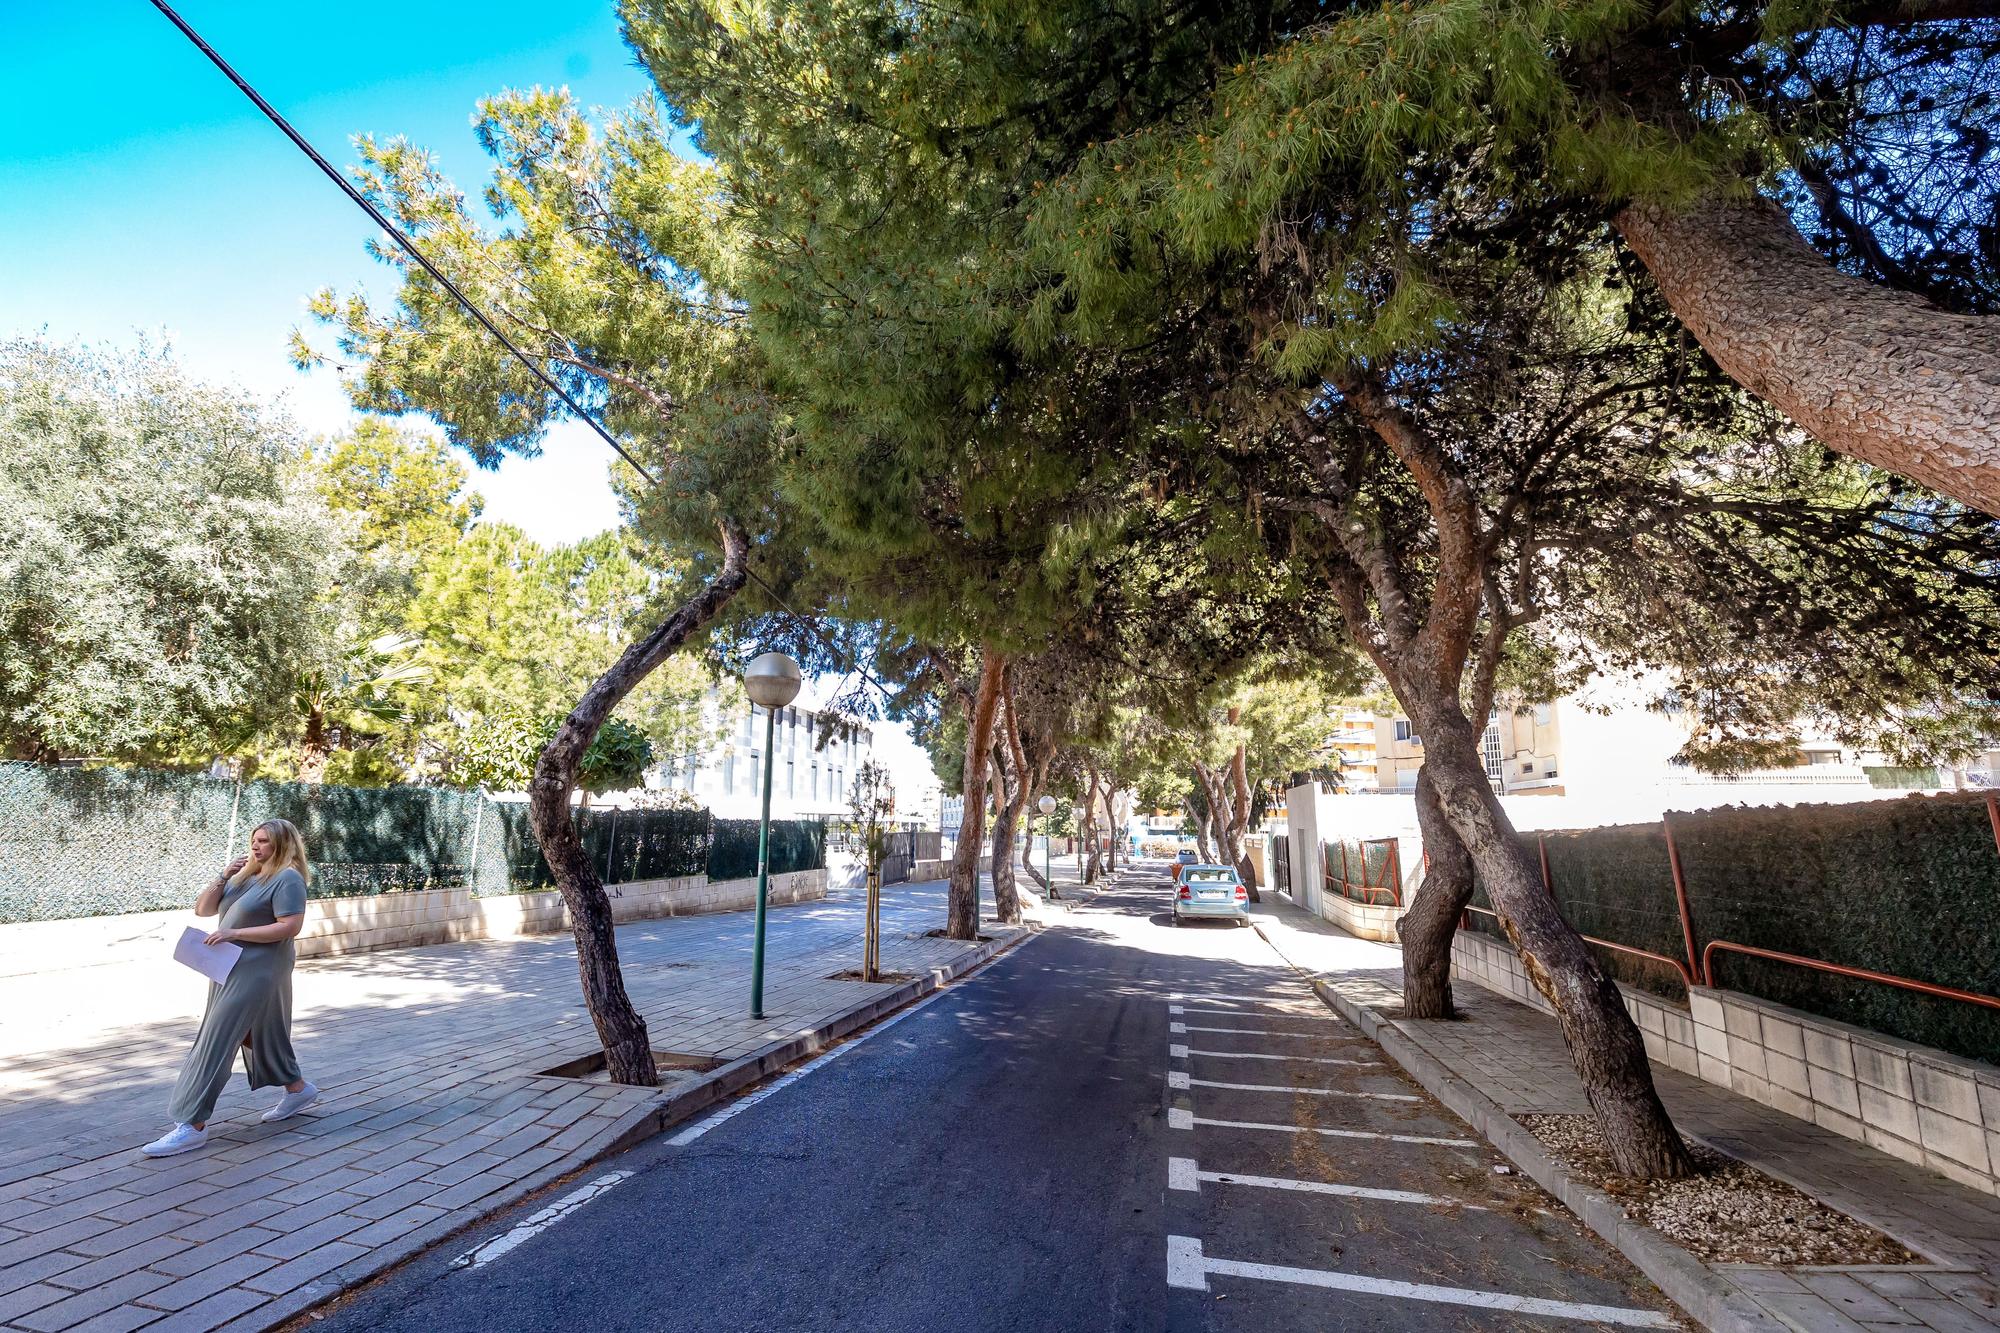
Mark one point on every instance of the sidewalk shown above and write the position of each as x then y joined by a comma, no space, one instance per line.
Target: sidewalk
1516,1058
437,1107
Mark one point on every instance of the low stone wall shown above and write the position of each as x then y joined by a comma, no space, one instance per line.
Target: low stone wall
337,926
1370,921
1912,1102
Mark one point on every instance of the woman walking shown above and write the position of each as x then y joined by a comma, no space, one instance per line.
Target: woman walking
262,898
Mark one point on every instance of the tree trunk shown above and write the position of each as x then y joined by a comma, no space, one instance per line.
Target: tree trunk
1239,818
1427,927
1034,794
1087,826
314,749
1006,814
1202,847
962,911
628,1052
1604,1045
1874,373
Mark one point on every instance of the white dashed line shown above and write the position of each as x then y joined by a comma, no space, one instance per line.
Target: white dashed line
1189,1268
1259,1055
1309,1092
528,1228
1180,1118
1184,1174
1247,1032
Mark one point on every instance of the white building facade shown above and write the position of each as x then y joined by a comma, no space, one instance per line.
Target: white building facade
813,764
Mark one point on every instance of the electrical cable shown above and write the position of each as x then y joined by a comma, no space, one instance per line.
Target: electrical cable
409,247
348,188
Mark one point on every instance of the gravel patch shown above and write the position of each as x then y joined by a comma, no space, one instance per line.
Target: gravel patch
1728,1212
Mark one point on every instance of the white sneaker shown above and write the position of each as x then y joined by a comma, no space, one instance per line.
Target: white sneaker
179,1139
292,1103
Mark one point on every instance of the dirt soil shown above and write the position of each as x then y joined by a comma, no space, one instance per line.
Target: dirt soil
1727,1213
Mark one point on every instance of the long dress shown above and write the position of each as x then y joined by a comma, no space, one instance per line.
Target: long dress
251,1010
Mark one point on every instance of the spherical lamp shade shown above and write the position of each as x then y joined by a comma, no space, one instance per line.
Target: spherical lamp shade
772,680
1047,805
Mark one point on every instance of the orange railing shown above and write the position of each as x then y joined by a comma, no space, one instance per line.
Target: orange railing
1391,887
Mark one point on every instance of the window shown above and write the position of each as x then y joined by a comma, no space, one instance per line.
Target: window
729,772
1489,745
1542,714
791,778
756,771
1528,766
1404,733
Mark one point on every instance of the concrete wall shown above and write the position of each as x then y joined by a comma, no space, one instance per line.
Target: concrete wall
1912,1102
389,921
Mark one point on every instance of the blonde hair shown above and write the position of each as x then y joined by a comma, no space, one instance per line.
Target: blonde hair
288,851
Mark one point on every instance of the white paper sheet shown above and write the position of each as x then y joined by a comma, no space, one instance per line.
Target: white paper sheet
211,960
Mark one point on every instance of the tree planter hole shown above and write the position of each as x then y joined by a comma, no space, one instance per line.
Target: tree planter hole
674,1066
854,974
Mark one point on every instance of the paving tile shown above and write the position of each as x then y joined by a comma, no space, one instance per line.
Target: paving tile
88,1304
286,1276
21,1300
123,1319
56,1238
197,1287
118,1265
292,1244
226,1246
125,1237
244,1214
214,1312
395,1225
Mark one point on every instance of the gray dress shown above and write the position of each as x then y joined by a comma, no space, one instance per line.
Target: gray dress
251,1010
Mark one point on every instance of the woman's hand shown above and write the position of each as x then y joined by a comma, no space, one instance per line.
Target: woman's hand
221,937
234,866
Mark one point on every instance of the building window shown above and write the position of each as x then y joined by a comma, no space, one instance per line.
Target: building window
1542,715
791,778
1489,745
1404,732
728,772
756,771
1528,766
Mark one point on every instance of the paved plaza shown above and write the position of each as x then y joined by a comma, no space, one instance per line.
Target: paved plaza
435,1105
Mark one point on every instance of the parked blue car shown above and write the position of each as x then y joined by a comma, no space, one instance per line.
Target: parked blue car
1214,892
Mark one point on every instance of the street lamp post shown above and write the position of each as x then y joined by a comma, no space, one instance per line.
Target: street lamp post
1047,805
772,680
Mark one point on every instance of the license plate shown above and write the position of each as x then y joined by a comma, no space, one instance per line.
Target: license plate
1211,895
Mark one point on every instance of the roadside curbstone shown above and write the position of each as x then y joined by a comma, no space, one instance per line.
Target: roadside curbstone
1685,1280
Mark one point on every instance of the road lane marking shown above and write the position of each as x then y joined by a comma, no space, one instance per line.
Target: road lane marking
1177,1028
1184,1173
1310,999
1310,1092
742,1104
1189,1268
1177,1078
1260,1055
528,1228
1176,1051
1246,1032
1175,1009
1179,1118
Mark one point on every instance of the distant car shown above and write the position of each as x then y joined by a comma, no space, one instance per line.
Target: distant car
1215,892
1185,857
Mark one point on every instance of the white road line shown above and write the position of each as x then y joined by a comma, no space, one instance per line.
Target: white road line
1246,1032
742,1104
1312,999
1177,1028
1183,1173
1174,1009
1189,1268
1176,1051
527,1229
1178,1118
1177,1078
1260,1055
1310,1092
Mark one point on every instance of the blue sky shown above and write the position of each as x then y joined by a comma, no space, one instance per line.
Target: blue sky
141,194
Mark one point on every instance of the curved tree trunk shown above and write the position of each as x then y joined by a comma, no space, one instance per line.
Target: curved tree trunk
1239,819
962,897
1038,783
628,1052
1202,846
1604,1045
1006,815
1087,826
1874,373
1427,927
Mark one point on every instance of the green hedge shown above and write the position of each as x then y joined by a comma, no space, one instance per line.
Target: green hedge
796,844
1909,887
623,845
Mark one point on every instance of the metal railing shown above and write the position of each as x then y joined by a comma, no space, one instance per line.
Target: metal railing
1367,891
1699,969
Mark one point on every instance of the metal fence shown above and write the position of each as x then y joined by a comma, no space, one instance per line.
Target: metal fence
1281,862
94,842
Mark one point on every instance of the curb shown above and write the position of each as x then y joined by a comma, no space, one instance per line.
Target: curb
1682,1278
637,1126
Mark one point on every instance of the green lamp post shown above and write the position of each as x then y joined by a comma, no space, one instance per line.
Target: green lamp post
772,680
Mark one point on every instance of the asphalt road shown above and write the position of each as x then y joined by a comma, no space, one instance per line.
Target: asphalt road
1121,1125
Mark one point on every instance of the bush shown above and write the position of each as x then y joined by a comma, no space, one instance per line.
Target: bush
1908,887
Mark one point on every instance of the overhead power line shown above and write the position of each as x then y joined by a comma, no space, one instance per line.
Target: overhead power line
409,247
367,205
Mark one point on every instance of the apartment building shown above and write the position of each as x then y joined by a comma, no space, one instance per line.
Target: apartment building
811,775
1522,749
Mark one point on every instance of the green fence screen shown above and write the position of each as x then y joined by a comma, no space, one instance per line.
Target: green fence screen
1909,887
92,842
